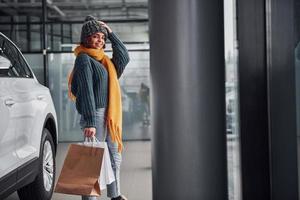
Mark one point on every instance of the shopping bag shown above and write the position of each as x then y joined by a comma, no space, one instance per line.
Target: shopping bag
107,175
81,171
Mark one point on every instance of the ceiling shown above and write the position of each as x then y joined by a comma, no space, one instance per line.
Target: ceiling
76,10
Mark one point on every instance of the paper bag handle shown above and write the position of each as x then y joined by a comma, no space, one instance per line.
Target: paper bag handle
93,140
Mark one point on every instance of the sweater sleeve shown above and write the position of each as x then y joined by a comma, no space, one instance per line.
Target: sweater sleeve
120,56
85,101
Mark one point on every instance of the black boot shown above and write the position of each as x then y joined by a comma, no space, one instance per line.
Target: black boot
121,197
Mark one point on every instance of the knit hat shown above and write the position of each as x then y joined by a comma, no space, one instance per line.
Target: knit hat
90,27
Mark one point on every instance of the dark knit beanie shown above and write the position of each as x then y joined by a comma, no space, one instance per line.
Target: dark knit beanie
91,26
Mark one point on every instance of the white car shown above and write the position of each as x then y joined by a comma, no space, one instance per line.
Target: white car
28,129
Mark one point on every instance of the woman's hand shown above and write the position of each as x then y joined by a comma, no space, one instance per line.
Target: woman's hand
89,132
106,26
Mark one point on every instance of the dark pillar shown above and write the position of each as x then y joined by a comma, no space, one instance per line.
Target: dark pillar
282,99
254,131
187,69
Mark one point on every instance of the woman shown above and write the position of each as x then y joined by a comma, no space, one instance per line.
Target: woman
94,85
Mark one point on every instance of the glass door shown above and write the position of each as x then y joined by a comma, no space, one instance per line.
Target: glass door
232,111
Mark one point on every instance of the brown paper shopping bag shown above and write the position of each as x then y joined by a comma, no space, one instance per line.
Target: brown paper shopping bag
81,171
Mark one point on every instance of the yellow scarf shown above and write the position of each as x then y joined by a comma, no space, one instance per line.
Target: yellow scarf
114,111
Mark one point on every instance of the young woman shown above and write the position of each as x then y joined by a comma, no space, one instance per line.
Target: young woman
94,86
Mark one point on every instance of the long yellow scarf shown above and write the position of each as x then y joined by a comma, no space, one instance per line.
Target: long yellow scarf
114,111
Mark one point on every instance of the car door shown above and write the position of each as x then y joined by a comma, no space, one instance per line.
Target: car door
27,97
8,158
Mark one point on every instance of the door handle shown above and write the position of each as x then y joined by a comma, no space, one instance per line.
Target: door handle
41,97
9,102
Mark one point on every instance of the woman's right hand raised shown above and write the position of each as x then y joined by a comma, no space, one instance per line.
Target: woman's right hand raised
89,132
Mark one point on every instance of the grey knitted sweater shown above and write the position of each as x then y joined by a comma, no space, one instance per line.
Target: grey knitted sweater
90,80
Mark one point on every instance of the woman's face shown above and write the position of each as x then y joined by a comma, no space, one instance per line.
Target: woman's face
96,41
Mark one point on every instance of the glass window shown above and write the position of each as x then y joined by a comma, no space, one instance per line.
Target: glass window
57,30
21,40
24,67
16,23
5,29
36,63
76,31
20,18
5,65
60,65
35,18
67,31
232,111
56,43
18,67
35,43
67,38
5,18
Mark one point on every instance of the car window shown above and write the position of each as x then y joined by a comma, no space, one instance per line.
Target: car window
18,66
5,65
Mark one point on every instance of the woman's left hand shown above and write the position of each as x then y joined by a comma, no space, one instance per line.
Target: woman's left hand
106,26
89,131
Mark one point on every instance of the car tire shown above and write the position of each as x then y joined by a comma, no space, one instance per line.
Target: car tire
42,188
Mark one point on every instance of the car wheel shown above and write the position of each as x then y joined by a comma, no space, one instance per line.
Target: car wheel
42,187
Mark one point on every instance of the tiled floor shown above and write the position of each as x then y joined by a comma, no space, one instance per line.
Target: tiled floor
136,173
